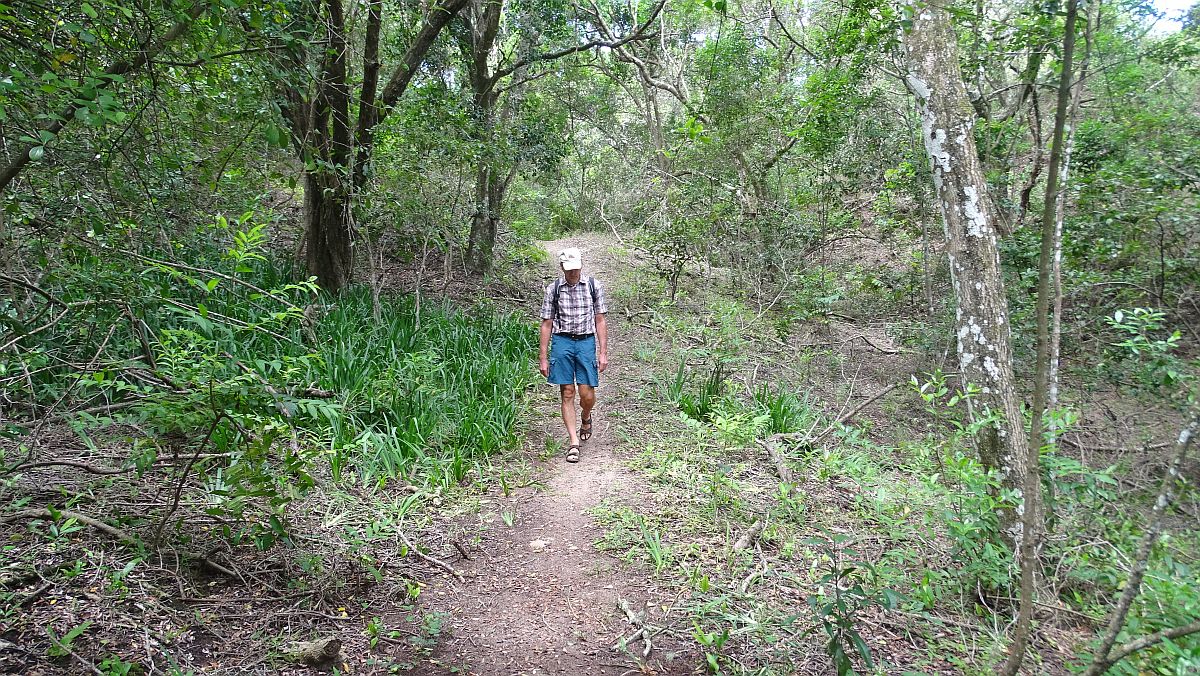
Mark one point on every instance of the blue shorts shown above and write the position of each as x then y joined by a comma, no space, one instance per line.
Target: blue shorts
573,360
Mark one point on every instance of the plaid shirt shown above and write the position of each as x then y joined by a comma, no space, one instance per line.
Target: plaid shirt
575,312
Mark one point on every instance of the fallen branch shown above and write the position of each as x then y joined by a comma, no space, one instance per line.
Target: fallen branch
750,535
843,419
33,595
777,459
206,271
107,529
67,649
638,621
81,518
63,463
429,559
1113,449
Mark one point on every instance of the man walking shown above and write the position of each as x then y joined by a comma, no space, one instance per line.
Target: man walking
574,311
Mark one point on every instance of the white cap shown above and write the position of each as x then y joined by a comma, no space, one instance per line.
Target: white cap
570,258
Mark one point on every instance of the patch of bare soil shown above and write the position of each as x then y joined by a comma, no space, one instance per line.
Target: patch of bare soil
538,598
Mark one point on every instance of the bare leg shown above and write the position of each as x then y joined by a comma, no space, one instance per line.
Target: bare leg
587,399
568,412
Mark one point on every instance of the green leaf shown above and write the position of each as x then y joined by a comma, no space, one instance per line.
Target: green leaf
89,10
863,650
36,153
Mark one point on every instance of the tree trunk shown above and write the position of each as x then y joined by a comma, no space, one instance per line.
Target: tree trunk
322,136
1092,16
365,136
486,219
483,26
1030,517
328,225
984,340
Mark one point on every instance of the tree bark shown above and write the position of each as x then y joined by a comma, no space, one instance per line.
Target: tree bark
480,40
981,323
367,114
329,228
1030,514
1091,17
322,134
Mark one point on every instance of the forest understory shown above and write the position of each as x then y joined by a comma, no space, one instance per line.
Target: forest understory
903,313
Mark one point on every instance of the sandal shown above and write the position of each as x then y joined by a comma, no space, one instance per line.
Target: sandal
585,430
573,453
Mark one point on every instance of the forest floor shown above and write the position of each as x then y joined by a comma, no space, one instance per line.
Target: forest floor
538,598
549,559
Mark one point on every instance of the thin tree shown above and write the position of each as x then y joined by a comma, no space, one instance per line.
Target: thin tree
336,157
1030,515
1105,656
479,42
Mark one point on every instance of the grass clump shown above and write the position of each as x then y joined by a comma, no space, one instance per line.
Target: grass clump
432,391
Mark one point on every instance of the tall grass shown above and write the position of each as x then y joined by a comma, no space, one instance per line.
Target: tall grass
426,396
702,403
788,412
431,395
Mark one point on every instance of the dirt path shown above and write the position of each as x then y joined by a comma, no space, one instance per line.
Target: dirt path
539,598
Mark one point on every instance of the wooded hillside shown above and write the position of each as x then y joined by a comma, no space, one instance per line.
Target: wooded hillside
905,302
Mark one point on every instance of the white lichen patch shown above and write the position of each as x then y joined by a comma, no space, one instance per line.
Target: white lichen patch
976,220
935,142
918,87
989,366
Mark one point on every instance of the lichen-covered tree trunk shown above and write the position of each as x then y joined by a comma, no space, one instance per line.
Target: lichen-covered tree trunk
981,318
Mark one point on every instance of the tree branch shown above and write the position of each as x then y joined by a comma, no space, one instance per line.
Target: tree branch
404,73
638,34
148,51
1151,640
1104,657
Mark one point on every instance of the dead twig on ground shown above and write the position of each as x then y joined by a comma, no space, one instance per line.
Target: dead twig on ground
74,655
806,437
81,518
429,559
751,534
638,621
92,469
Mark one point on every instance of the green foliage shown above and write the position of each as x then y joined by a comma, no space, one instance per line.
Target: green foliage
60,646
428,392
843,592
1152,352
788,412
700,404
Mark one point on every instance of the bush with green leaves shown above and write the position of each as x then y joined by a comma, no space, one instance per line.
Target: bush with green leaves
232,370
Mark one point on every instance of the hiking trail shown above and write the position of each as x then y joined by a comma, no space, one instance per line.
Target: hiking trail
538,597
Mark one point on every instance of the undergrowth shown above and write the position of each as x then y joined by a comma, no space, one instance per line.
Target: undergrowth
868,528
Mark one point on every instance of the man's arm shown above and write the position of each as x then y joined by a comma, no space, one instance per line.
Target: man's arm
602,337
543,356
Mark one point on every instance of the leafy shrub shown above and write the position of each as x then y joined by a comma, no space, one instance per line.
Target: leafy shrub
788,413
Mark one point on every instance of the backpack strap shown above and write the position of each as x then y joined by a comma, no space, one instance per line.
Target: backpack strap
557,287
592,288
